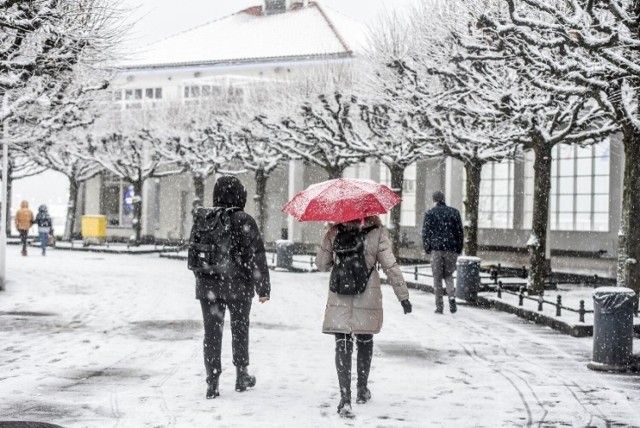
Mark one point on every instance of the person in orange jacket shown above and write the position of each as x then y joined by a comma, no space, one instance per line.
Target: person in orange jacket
24,221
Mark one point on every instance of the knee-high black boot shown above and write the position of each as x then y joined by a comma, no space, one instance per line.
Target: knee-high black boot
344,350
365,354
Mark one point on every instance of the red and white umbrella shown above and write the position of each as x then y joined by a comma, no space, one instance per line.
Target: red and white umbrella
341,200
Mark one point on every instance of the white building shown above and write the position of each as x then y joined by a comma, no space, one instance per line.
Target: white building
284,37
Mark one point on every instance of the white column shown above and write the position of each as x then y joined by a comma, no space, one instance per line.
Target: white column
296,184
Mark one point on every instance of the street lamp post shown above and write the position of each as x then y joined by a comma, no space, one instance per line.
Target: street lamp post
3,213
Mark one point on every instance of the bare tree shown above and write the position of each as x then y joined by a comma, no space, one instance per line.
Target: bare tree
61,154
257,152
581,50
43,44
53,138
132,155
454,105
322,132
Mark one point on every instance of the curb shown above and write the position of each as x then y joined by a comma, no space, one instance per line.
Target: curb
106,250
537,318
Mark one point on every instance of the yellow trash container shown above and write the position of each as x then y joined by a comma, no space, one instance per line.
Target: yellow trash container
94,229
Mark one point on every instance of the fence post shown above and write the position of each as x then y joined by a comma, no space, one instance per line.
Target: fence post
581,311
499,289
540,301
311,262
559,306
273,258
415,273
635,306
499,269
524,273
521,297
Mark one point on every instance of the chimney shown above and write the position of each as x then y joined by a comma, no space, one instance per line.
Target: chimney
272,7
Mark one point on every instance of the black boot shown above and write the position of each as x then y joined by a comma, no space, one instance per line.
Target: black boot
212,389
344,349
243,379
365,354
453,307
213,376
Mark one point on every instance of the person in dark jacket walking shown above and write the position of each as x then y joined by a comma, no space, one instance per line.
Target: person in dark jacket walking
443,238
233,288
45,227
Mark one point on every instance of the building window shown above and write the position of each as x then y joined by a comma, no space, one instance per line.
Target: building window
116,201
194,93
495,209
579,199
408,209
496,196
133,99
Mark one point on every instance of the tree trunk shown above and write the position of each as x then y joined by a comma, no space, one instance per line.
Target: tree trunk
473,169
261,202
397,185
71,209
334,172
538,241
198,187
628,274
137,211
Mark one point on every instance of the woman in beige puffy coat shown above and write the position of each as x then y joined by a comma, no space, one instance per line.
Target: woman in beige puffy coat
359,316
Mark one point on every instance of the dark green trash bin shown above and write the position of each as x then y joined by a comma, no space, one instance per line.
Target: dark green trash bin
284,254
612,329
467,278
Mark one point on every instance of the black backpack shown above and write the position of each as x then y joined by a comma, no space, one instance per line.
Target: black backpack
210,243
349,274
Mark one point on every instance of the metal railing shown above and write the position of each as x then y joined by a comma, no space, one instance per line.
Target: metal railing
581,311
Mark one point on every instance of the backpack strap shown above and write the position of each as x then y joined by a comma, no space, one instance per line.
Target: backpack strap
365,232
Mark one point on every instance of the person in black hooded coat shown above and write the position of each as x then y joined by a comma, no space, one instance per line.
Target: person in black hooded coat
235,288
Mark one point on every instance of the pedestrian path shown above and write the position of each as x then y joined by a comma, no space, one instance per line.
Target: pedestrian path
99,340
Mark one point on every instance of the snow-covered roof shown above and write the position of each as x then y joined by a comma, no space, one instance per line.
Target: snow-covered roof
249,36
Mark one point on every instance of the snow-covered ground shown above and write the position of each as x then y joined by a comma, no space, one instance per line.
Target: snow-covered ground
90,340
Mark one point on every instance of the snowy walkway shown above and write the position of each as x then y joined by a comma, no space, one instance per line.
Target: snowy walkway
91,340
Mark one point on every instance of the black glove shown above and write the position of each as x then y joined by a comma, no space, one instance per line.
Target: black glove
406,306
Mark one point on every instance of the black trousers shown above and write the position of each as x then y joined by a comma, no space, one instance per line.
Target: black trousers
23,239
213,317
344,351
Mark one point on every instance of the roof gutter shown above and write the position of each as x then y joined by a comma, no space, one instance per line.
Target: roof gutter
239,63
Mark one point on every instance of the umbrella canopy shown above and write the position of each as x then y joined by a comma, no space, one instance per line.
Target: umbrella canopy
341,200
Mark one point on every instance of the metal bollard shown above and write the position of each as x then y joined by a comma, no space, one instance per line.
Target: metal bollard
581,311
540,301
499,289
559,306
521,297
